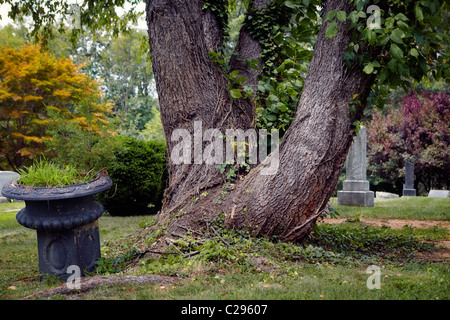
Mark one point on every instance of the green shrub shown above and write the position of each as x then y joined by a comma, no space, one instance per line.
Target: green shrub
139,176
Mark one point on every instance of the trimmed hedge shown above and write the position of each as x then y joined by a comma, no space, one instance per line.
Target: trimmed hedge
140,177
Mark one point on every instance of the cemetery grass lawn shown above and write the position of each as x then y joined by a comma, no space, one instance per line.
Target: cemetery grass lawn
418,208
19,264
332,265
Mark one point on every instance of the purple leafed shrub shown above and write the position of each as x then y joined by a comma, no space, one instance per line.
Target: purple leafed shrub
418,130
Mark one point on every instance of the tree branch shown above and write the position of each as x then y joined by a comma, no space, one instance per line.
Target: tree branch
90,283
248,48
213,33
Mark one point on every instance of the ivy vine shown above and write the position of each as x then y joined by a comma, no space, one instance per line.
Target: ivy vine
220,10
263,26
285,30
410,36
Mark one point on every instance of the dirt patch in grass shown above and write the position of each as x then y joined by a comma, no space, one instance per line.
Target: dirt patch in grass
394,223
440,254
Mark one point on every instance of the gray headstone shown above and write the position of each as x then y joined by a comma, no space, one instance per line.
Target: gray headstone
357,158
356,190
385,195
5,178
408,187
409,175
439,194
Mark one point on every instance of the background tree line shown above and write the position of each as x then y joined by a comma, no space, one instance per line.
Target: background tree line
114,72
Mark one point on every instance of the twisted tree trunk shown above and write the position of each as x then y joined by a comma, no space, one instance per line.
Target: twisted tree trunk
192,89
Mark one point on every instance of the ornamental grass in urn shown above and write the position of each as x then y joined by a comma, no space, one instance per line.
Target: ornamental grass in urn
60,206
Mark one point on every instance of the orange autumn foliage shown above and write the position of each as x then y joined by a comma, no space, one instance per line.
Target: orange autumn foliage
31,79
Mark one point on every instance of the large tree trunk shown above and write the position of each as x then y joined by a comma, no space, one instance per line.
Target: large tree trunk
313,150
190,88
311,154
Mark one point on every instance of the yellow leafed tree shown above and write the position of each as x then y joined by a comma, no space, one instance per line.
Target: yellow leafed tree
31,80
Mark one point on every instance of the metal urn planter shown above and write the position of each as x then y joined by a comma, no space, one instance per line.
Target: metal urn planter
66,221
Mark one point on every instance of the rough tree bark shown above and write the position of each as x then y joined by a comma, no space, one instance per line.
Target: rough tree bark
311,154
190,87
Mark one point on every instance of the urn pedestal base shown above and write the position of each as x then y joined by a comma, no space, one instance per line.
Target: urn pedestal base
66,221
60,249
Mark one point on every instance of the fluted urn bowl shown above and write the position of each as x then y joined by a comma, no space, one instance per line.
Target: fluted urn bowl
66,221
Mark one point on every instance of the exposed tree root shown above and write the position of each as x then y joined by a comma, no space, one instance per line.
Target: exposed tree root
90,283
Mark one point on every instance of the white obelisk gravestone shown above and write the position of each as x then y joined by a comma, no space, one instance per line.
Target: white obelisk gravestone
356,190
